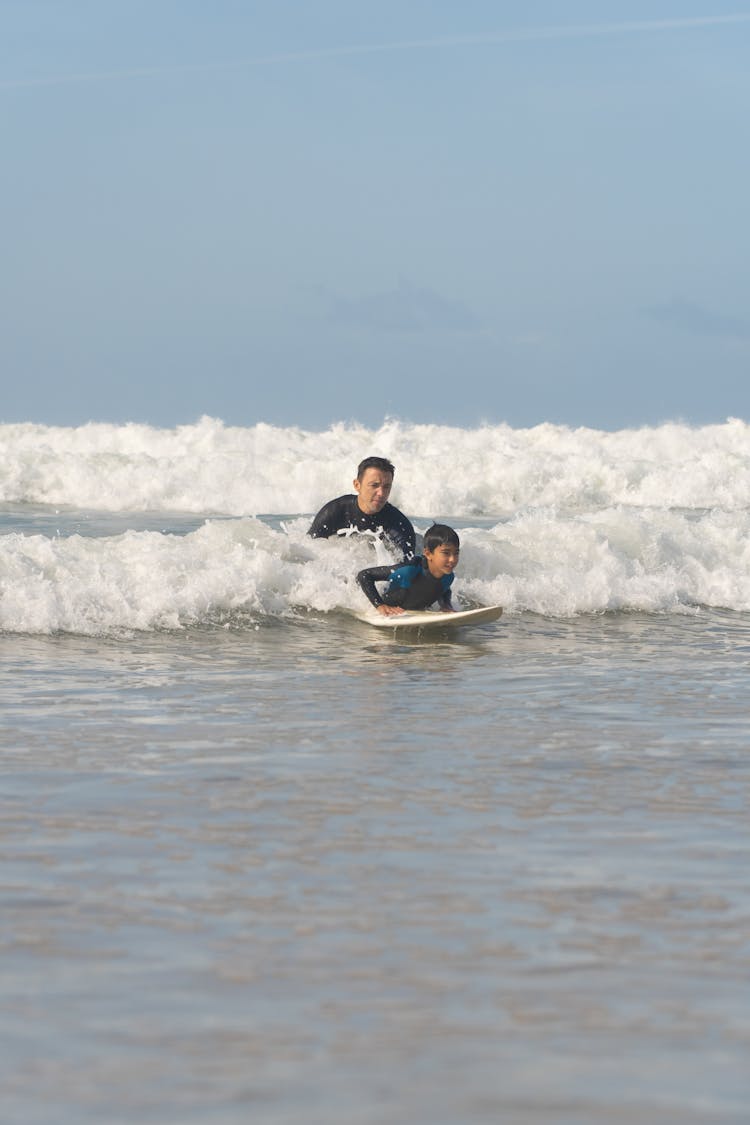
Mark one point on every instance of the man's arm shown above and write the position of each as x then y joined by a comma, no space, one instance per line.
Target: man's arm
328,520
401,533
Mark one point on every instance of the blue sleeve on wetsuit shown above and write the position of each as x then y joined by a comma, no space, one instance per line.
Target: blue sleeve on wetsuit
403,576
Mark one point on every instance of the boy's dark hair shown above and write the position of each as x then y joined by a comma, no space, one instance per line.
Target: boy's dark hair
374,463
439,535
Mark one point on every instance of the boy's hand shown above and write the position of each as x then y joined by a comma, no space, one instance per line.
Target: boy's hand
389,610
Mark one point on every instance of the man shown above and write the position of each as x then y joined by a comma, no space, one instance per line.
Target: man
368,509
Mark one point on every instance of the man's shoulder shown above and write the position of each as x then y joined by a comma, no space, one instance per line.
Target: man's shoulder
394,513
345,499
338,504
333,516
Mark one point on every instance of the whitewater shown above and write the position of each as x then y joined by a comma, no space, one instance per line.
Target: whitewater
106,528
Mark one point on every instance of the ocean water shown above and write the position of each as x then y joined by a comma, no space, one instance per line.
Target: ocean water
262,863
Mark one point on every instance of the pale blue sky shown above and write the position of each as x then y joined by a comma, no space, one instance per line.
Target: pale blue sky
305,212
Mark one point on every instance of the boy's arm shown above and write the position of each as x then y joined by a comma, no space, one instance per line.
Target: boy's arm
444,601
366,580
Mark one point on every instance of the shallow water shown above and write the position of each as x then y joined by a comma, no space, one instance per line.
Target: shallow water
293,871
263,863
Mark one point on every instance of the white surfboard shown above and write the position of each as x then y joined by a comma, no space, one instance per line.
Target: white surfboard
431,618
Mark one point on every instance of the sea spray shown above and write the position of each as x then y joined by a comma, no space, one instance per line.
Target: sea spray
236,572
492,471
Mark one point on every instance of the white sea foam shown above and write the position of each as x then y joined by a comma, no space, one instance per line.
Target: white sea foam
553,520
491,471
241,572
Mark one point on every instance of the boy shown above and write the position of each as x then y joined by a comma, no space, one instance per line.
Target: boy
418,583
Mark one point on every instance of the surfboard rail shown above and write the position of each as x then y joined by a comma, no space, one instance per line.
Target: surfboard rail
431,618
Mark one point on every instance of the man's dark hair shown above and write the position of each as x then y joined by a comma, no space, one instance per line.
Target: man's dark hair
374,463
439,535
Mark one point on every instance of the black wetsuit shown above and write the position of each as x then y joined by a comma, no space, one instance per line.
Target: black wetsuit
344,513
411,585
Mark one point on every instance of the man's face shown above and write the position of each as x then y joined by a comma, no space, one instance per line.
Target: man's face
373,490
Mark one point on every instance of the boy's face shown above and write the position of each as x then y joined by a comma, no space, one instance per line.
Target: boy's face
443,560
